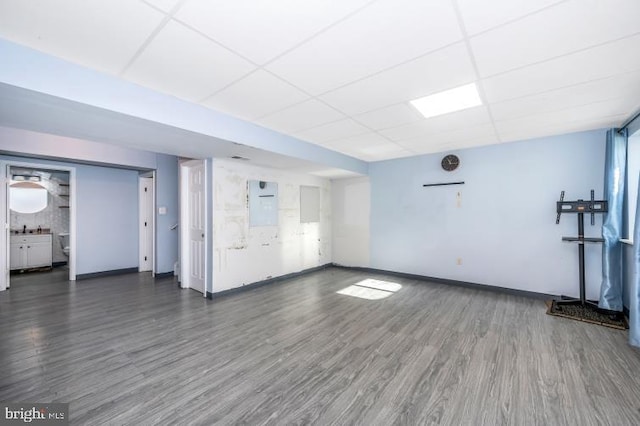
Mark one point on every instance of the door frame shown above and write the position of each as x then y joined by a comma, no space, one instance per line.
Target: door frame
185,253
5,217
141,216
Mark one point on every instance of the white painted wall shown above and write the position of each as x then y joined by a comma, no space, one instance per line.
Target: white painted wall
351,209
244,255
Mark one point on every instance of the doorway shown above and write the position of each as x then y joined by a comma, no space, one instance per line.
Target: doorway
39,218
193,225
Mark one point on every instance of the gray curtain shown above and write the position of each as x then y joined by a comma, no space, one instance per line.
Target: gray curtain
634,299
612,254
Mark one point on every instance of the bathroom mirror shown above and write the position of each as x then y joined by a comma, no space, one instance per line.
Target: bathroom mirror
27,197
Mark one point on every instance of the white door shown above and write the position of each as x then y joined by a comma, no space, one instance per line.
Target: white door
196,219
5,240
146,223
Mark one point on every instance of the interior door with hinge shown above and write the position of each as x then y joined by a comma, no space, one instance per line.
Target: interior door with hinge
197,227
146,224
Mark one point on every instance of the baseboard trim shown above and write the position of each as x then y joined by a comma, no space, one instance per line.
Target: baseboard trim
268,281
465,284
57,264
106,273
163,274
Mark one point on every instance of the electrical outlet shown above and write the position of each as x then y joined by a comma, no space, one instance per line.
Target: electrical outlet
459,261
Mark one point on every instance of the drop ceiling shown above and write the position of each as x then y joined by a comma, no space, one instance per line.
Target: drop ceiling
340,74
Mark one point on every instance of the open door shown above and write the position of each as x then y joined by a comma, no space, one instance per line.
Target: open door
4,238
193,201
145,225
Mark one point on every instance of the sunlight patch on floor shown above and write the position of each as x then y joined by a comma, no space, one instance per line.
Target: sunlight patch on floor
371,289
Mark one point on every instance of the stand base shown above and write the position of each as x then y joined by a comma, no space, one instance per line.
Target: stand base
587,311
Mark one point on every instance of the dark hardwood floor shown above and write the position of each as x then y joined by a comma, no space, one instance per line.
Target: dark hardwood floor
133,350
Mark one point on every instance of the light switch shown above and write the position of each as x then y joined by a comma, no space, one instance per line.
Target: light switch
162,210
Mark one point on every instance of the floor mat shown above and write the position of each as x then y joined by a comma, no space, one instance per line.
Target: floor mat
581,313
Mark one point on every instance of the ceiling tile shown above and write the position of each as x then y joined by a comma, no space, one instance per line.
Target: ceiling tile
480,16
447,68
435,146
332,173
595,63
384,34
533,130
261,30
559,30
358,141
368,147
389,153
336,130
467,134
183,63
164,5
392,116
256,95
300,117
435,125
559,120
625,86
100,35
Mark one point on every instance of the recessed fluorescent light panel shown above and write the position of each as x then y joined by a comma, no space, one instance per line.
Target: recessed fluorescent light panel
457,99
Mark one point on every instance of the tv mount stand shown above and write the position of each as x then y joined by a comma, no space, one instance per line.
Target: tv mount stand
580,207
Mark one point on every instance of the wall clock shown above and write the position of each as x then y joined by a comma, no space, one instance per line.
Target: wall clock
450,162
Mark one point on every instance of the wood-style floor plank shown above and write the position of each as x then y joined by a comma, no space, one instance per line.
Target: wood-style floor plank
133,350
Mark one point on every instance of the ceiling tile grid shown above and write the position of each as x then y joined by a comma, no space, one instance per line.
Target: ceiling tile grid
164,5
203,68
300,117
565,28
369,146
96,34
444,69
382,35
341,74
332,131
262,30
255,96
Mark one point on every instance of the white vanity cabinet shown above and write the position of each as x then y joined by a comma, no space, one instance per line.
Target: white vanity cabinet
30,251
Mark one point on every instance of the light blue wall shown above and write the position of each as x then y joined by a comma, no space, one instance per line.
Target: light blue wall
167,196
107,208
42,145
107,216
504,230
107,219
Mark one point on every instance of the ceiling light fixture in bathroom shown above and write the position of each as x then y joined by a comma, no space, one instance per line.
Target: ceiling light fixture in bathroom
26,178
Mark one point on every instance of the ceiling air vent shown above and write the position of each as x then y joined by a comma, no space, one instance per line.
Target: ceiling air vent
237,157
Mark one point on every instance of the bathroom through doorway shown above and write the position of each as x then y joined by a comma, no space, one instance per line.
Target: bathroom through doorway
39,219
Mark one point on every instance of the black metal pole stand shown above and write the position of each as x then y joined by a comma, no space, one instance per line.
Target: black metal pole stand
581,268
580,207
583,285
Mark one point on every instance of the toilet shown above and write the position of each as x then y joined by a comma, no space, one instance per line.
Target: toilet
64,242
